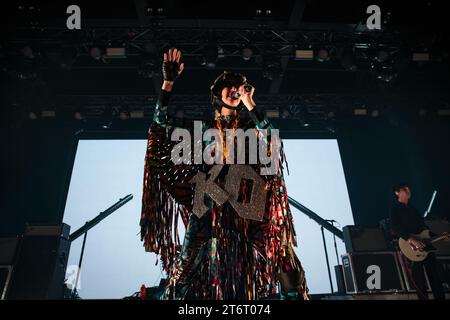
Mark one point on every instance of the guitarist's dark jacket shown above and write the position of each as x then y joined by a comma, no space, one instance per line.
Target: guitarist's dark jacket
405,219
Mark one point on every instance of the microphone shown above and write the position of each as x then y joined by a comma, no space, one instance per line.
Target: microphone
236,94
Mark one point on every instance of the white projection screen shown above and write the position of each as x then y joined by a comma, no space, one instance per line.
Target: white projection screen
115,264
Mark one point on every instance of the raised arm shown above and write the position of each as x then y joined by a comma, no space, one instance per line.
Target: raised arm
171,71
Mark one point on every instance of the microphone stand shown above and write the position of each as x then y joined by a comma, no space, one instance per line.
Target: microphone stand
326,257
335,245
84,229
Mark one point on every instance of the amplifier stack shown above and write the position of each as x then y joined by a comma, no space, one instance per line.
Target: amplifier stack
371,266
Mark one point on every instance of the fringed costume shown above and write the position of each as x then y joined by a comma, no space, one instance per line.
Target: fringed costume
223,256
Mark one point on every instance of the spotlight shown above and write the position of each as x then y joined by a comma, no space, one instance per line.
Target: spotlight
348,60
271,67
32,115
124,115
443,112
422,112
382,56
106,120
210,55
115,53
304,54
304,123
95,53
285,113
247,53
27,52
360,111
78,115
421,56
323,55
147,66
273,114
68,57
48,113
258,12
137,114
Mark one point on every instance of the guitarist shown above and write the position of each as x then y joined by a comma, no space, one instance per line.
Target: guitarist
407,220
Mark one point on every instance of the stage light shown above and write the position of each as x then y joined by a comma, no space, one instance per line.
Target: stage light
78,115
440,56
285,113
210,55
220,53
147,66
422,112
96,53
258,12
115,53
106,124
137,114
271,67
302,54
68,57
106,119
247,53
360,111
323,55
382,56
421,56
48,113
124,115
32,115
273,113
375,113
348,60
27,52
443,112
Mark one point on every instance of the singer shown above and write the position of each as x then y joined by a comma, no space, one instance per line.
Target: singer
223,255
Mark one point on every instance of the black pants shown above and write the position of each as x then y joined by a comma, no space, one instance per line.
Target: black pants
417,269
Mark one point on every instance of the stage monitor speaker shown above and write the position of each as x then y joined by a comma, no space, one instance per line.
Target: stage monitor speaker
39,270
374,272
364,239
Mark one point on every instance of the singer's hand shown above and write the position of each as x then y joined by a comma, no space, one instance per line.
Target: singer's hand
171,68
247,97
447,236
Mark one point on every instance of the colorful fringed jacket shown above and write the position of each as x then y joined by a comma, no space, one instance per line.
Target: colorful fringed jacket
224,255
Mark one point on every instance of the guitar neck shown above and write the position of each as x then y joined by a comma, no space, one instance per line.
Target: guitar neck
436,239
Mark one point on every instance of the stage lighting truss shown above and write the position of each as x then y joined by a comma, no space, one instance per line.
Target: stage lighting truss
230,38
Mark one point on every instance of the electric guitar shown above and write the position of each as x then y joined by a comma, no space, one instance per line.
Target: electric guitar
419,254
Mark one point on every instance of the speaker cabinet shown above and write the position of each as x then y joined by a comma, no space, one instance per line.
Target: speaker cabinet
40,267
374,272
364,239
